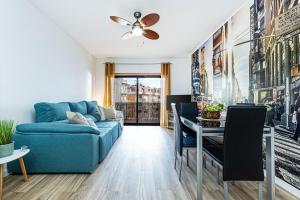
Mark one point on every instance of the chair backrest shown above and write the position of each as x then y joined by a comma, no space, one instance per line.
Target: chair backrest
245,104
243,143
189,109
177,129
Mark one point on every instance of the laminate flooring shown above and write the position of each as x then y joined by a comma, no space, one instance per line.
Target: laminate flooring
140,166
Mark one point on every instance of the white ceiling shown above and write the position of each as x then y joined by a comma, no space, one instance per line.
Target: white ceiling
182,27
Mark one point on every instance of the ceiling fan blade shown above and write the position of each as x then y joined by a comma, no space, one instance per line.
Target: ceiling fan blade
152,35
120,20
150,19
127,35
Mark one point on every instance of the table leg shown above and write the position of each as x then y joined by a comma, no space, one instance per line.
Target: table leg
1,181
199,164
22,165
270,166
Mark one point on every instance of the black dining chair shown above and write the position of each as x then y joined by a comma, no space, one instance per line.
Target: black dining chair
189,110
184,138
241,155
245,104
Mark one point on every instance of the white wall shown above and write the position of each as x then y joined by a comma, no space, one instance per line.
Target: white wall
38,62
180,72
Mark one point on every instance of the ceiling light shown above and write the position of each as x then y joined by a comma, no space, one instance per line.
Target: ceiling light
137,30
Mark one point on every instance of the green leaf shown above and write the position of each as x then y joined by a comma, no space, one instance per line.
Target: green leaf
7,128
214,108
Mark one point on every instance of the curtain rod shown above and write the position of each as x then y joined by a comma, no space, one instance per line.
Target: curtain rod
137,63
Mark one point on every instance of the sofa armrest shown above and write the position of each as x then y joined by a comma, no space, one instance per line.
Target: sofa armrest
53,127
120,117
58,152
119,114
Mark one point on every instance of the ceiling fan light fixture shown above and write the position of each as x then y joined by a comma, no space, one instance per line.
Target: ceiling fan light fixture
137,30
140,26
124,23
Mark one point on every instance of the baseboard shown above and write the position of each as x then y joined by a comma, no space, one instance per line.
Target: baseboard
291,189
284,185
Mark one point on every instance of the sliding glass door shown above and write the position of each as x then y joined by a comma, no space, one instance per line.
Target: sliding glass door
149,100
139,99
125,96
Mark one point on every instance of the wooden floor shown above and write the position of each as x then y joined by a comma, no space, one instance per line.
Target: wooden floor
140,166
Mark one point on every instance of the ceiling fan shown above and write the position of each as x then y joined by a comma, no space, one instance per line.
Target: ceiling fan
139,27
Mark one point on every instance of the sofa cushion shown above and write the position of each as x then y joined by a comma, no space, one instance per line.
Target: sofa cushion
105,142
89,116
78,107
92,109
96,115
107,124
92,106
55,128
49,112
65,121
57,152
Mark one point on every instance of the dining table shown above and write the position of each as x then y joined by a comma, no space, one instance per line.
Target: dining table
268,135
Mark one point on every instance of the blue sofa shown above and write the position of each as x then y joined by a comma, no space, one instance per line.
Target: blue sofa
59,147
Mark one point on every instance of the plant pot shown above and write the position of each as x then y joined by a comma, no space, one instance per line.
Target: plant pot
211,115
210,124
7,149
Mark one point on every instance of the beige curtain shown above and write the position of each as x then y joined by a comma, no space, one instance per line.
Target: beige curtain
109,76
166,90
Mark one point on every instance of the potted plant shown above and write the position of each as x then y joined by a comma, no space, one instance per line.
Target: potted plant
7,128
209,114
212,111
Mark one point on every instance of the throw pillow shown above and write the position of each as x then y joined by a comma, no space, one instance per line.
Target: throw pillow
92,123
101,112
109,113
77,118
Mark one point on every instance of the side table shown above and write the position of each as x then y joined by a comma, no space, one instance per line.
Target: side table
18,154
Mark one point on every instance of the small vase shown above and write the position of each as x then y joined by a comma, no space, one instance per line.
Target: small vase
7,149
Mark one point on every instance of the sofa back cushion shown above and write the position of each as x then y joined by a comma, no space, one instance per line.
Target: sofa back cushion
91,106
50,112
90,116
54,128
80,107
93,110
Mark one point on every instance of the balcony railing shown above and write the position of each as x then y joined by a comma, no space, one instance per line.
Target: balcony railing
148,113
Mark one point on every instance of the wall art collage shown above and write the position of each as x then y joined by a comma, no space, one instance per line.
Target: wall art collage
255,57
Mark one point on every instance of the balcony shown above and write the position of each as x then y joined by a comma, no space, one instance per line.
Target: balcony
148,113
